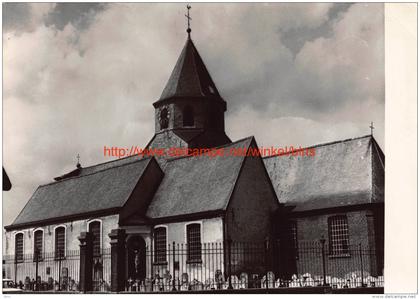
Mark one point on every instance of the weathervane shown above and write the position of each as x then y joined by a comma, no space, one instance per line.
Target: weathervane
188,20
371,128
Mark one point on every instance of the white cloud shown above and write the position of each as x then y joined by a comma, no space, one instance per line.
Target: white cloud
73,91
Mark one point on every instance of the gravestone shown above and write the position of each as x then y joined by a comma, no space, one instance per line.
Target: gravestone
234,281
243,284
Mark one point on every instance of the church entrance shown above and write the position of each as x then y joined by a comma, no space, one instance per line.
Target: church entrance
136,258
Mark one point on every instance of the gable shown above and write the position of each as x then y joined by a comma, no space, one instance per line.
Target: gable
197,184
134,210
252,202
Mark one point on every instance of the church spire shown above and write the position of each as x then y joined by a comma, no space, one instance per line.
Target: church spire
190,77
190,110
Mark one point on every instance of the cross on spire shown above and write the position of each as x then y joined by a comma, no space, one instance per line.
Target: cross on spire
188,21
78,161
371,128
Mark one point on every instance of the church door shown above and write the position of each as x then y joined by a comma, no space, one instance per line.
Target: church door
136,258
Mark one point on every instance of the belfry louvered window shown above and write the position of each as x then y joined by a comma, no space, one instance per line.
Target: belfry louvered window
194,243
338,232
188,116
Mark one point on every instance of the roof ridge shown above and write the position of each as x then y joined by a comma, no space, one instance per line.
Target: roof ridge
115,160
325,144
92,173
220,146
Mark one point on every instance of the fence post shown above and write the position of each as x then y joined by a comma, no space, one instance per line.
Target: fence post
173,267
15,270
60,254
267,262
324,272
117,237
36,268
229,244
361,263
86,261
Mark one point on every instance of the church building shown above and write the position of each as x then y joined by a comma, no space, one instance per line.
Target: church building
167,215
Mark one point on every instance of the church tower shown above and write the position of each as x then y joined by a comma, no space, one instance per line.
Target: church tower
190,111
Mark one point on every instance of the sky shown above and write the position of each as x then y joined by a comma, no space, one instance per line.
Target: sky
81,76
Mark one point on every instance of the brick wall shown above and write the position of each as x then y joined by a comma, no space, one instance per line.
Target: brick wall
311,229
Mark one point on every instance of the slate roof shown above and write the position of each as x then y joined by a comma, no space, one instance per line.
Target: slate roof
339,174
197,184
101,187
190,77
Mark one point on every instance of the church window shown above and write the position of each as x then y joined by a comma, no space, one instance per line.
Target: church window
164,118
160,244
288,236
95,229
293,237
19,247
338,233
38,242
60,242
194,243
188,117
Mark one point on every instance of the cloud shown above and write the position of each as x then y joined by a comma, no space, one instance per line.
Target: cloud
20,17
78,77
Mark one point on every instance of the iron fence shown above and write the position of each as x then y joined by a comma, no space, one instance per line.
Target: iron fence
236,265
211,266
46,271
56,271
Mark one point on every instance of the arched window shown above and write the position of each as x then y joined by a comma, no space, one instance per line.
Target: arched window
338,233
194,243
19,247
164,118
160,244
60,242
188,116
38,243
95,229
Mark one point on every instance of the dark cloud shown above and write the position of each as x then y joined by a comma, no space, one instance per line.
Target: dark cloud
295,38
21,17
16,16
80,15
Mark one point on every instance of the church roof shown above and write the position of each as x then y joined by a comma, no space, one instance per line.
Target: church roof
340,173
197,184
106,188
190,77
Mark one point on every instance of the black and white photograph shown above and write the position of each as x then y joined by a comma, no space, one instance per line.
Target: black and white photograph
206,148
